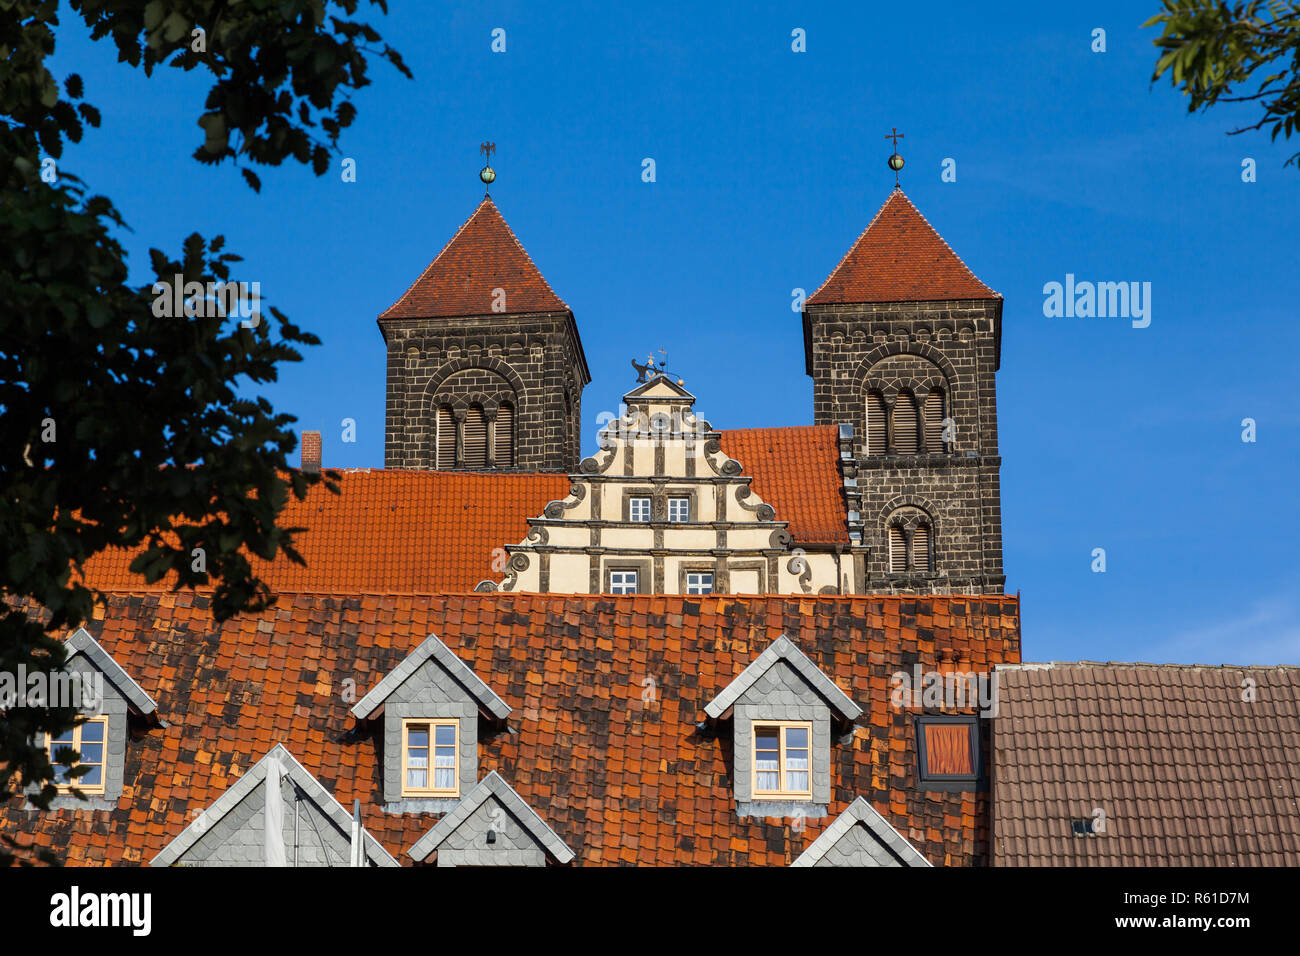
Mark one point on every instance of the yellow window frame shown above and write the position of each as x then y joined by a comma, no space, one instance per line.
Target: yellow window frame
431,725
781,727
102,763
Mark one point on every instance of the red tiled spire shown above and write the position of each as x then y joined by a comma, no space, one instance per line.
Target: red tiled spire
900,258
482,256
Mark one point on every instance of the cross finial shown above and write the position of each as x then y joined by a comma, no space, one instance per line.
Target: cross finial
895,161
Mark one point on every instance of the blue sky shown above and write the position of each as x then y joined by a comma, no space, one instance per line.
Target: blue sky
769,163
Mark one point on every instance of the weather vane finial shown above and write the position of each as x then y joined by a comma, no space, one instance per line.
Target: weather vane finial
895,161
651,368
487,173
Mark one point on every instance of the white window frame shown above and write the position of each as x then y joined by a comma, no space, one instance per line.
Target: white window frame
693,587
634,509
618,578
679,501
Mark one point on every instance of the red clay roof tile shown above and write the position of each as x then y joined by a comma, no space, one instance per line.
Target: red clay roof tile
899,258
483,256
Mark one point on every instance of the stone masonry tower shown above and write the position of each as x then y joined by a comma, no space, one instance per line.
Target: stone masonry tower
902,342
485,367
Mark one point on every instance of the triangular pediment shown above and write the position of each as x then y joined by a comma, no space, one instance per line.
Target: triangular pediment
660,388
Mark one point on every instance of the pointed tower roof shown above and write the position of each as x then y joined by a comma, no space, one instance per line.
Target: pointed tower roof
900,258
483,255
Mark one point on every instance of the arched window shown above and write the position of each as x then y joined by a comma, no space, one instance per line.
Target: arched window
445,438
503,436
475,442
920,548
906,434
876,443
910,538
897,550
934,413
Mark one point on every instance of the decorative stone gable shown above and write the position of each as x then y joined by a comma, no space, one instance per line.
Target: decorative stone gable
662,509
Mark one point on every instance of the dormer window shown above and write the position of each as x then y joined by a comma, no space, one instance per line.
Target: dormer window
639,509
87,740
785,713
781,766
433,709
430,766
679,510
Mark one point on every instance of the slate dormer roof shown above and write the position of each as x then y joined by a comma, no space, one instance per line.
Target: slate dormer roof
80,642
899,257
433,648
483,255
493,786
881,842
783,649
605,738
211,818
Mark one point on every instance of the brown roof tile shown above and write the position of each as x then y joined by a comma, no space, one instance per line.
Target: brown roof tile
1185,771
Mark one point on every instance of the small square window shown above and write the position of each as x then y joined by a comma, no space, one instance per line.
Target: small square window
782,767
679,509
948,750
699,582
430,758
622,582
88,740
639,509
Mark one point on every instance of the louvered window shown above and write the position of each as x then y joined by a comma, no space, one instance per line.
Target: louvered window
446,437
875,424
934,422
921,548
503,438
897,550
905,430
475,438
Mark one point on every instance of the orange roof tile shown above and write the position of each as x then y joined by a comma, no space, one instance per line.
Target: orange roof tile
484,255
797,471
389,530
621,779
900,258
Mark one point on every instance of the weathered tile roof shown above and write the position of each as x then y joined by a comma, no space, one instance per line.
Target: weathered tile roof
796,470
899,258
390,530
483,256
607,697
1183,771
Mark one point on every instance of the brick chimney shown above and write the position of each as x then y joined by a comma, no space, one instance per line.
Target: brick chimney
311,451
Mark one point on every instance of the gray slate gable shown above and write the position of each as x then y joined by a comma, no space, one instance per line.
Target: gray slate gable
229,831
432,648
82,643
860,836
783,649
522,837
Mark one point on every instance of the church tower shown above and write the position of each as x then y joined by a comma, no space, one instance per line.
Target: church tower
902,341
485,366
